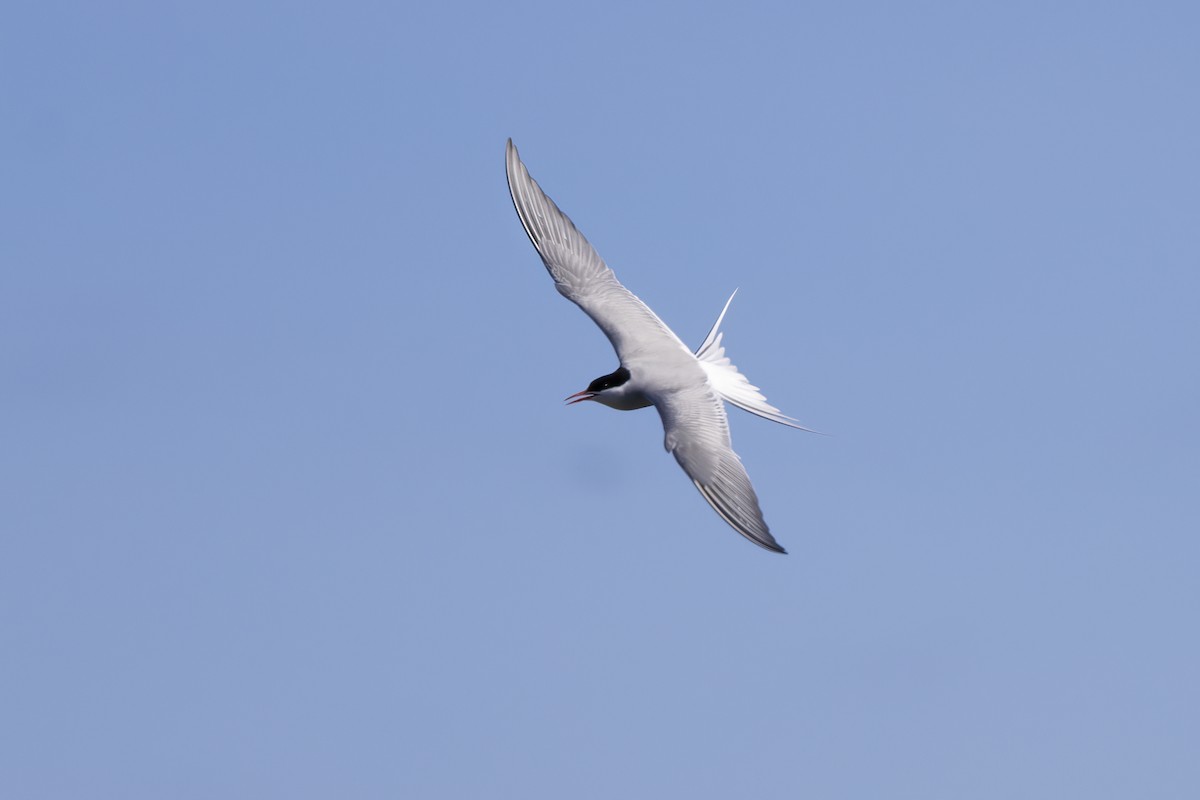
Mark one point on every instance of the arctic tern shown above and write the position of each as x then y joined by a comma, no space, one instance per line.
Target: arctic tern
656,368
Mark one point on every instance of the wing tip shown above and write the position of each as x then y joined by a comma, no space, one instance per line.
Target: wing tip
511,158
764,538
773,546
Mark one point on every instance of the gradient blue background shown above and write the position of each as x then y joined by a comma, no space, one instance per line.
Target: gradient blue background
290,504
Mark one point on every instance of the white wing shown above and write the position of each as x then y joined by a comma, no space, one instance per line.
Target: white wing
580,274
697,434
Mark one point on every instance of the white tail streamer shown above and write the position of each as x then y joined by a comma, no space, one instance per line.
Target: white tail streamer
733,386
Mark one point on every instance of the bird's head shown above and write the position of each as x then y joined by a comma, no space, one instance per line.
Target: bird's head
612,390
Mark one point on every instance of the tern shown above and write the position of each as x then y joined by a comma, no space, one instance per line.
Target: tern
657,368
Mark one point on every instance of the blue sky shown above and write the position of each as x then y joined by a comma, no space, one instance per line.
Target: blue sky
290,503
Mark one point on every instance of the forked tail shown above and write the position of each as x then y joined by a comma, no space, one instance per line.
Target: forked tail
733,386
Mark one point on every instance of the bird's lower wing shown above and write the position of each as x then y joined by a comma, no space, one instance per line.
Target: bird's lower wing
697,434
578,271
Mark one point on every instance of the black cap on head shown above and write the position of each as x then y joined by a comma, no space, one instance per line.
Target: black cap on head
609,381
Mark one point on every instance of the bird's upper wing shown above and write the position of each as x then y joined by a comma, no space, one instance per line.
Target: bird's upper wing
697,434
580,274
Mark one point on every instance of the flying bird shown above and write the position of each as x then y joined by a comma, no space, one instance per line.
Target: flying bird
657,368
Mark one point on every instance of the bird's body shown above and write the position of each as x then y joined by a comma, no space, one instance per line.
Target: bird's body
656,367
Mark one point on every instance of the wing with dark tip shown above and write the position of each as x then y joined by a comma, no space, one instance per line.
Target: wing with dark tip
578,271
697,434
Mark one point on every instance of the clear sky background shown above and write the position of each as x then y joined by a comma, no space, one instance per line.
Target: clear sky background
290,503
